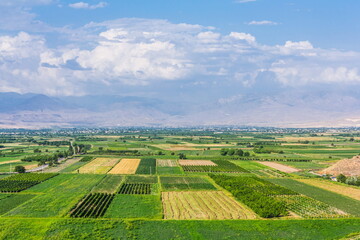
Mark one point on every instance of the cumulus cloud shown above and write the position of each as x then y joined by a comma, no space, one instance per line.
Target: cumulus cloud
144,51
83,5
264,22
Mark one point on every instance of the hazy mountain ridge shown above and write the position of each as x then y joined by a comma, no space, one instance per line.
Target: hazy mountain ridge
287,109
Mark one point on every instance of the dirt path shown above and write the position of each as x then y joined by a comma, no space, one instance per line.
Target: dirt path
280,167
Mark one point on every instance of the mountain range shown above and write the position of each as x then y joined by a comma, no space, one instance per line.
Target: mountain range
287,109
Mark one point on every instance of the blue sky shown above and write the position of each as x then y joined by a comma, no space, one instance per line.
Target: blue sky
152,48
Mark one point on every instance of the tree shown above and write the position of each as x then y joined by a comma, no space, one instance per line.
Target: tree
20,169
341,178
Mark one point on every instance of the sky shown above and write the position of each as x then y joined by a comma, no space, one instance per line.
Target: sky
162,48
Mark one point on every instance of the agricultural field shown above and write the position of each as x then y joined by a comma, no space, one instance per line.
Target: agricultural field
185,183
178,184
99,165
203,205
126,166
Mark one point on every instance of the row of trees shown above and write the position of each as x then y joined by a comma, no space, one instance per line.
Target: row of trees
354,180
232,152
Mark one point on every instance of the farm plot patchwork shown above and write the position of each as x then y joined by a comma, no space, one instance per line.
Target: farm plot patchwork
99,165
147,166
60,194
256,193
349,191
203,205
341,202
221,166
310,208
125,166
135,206
20,182
109,184
93,205
185,183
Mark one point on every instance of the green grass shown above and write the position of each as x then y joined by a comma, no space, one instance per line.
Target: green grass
30,229
147,166
341,202
109,184
58,199
73,167
141,179
135,206
250,165
12,201
169,170
185,183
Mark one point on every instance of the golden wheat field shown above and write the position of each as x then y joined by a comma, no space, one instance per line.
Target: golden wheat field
203,205
125,166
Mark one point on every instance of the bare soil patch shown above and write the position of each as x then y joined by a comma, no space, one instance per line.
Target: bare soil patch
197,163
348,167
280,167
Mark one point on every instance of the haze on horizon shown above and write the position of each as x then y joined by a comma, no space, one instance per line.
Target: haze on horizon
179,63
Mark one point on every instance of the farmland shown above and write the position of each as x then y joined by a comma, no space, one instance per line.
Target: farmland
202,205
99,165
126,166
180,184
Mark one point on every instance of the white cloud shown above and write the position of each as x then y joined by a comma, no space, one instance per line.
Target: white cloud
83,5
144,51
264,22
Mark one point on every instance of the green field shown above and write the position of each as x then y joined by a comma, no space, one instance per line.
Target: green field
69,205
135,206
341,202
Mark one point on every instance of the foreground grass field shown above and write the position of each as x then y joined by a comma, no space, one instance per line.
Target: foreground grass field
137,229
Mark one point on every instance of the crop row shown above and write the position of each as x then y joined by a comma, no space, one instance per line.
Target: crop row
135,188
93,205
256,193
310,208
222,166
147,166
19,182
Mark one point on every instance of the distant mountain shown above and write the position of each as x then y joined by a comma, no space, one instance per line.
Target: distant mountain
288,109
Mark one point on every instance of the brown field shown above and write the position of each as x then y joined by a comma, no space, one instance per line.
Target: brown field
99,165
197,163
203,205
352,192
125,166
166,163
280,167
28,167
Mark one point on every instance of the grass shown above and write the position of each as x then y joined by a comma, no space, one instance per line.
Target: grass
169,170
135,206
141,179
147,166
109,184
73,167
333,199
12,201
59,198
185,183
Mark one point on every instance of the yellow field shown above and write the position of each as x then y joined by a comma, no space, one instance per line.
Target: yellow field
203,205
126,166
99,165
352,192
